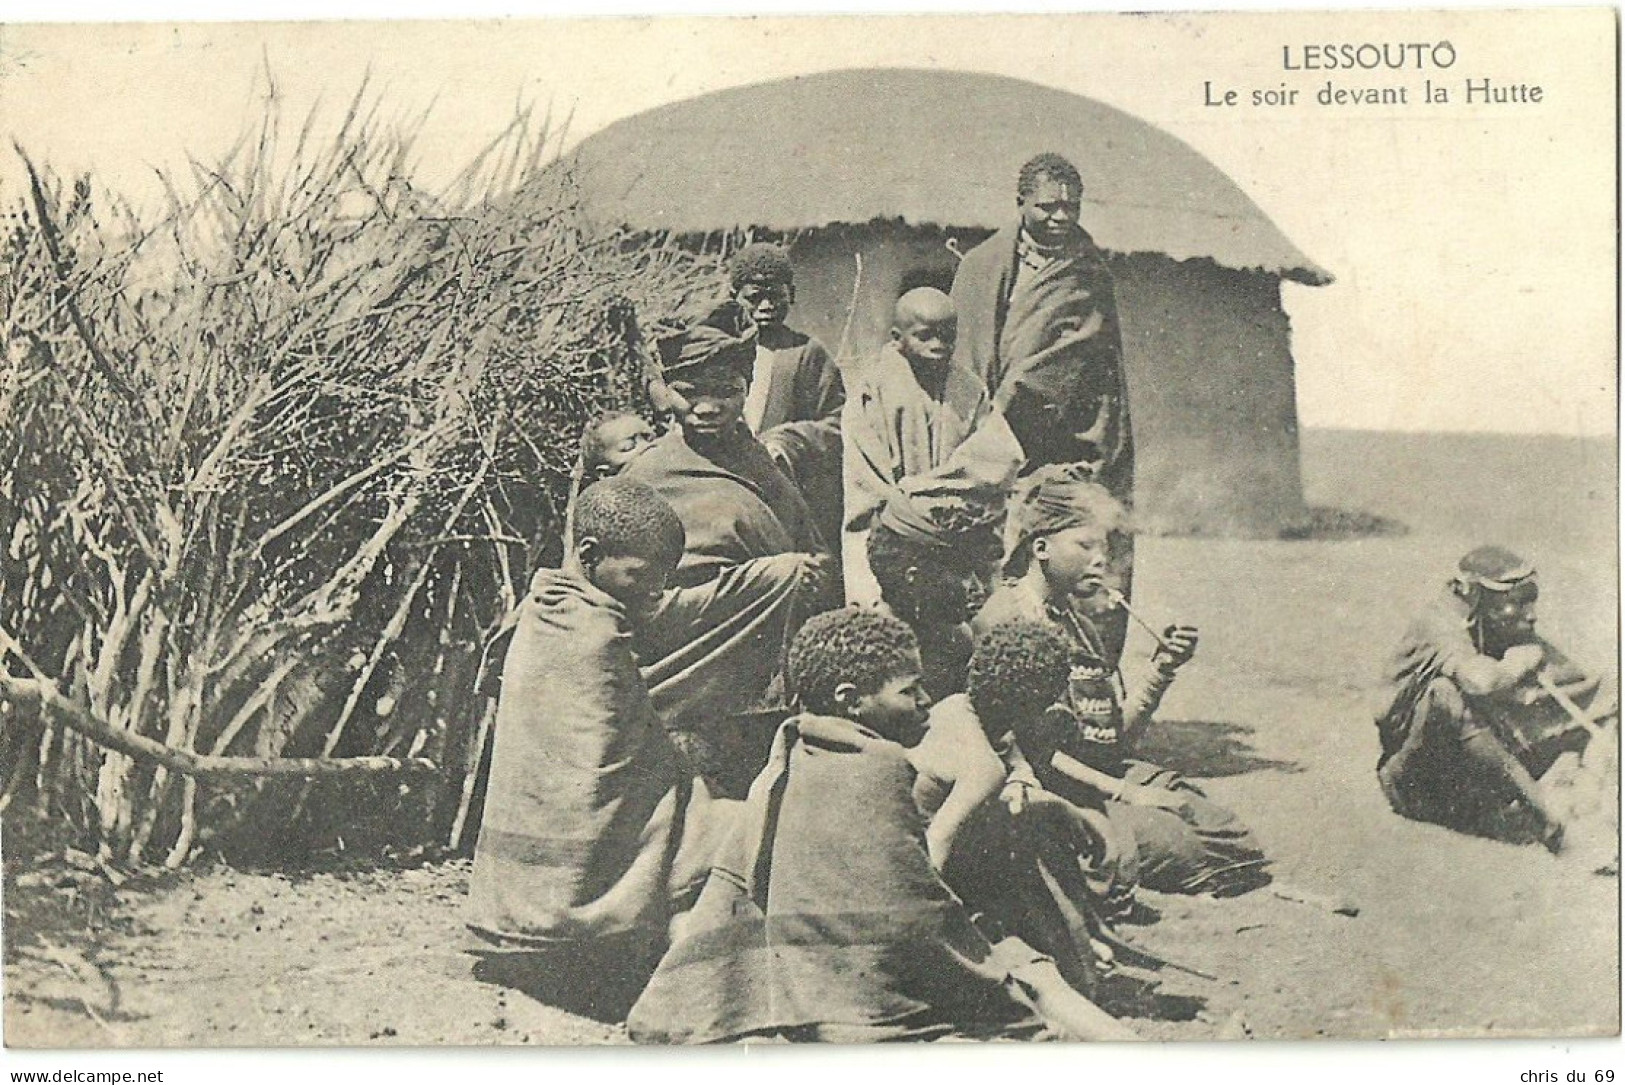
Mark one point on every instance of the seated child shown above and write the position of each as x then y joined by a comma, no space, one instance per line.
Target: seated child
1057,544
932,549
1071,870
824,919
908,411
1034,867
711,650
593,836
1479,709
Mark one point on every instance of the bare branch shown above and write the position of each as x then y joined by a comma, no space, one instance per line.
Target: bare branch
31,692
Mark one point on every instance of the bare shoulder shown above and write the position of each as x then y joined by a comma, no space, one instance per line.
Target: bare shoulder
953,741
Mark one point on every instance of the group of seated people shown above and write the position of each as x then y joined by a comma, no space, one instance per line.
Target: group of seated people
777,758
770,814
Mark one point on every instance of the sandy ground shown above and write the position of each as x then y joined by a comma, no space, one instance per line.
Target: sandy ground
1454,935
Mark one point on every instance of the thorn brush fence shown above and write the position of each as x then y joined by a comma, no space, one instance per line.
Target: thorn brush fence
273,459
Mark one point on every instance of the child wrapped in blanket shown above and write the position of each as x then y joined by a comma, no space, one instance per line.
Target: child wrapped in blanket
595,833
824,918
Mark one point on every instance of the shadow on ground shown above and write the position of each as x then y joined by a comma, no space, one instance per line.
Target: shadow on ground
1123,995
1205,749
565,980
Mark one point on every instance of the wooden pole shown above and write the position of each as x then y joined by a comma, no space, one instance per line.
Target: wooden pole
1576,713
198,766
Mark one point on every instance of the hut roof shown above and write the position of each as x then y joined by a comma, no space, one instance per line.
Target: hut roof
927,147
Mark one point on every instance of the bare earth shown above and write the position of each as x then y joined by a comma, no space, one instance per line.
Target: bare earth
1454,935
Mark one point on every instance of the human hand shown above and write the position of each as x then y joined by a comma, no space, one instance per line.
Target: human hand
1021,797
1014,797
1524,659
1159,798
1178,645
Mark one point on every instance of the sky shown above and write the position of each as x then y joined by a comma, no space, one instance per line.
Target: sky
1474,246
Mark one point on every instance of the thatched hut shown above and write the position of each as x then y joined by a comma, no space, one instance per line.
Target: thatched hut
881,169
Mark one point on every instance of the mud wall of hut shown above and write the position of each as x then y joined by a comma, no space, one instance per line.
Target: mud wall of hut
1212,389
1209,360
894,258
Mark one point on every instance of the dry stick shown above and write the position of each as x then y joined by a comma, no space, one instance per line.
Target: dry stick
472,760
188,831
18,771
185,707
44,782
471,773
48,233
158,789
262,696
851,310
114,470
391,631
1289,892
1576,713
10,645
397,621
115,635
453,595
387,636
504,565
48,734
199,766
256,644
342,487
156,633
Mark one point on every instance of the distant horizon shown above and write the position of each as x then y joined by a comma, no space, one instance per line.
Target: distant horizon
1609,438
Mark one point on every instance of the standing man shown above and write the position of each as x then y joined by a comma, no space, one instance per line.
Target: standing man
1038,323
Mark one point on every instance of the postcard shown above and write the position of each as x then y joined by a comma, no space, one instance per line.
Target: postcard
823,529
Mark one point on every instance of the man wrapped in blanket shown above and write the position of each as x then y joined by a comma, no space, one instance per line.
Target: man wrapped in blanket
1038,322
1478,709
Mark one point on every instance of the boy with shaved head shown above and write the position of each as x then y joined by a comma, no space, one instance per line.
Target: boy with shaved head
906,414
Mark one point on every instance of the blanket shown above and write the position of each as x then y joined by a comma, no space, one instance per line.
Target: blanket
591,831
1046,342
823,919
734,507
